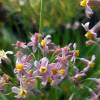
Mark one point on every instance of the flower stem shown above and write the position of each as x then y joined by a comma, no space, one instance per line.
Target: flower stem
41,10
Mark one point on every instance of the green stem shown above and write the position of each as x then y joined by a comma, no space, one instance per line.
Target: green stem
41,9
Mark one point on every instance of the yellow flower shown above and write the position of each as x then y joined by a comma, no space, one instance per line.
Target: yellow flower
77,52
43,43
49,80
30,71
91,64
83,3
89,35
61,71
43,69
19,67
23,92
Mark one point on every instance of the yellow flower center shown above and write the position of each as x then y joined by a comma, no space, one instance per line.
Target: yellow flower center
54,71
19,67
92,64
30,71
83,3
43,43
50,81
79,77
89,35
61,71
23,92
43,69
77,52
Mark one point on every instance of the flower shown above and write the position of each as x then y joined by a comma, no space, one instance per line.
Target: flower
20,44
44,44
27,84
90,42
83,3
3,81
92,33
34,42
23,63
57,72
19,67
41,67
60,68
3,55
89,63
88,10
74,53
21,92
63,54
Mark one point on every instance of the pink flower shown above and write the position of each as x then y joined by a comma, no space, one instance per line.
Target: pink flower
41,68
88,10
20,44
23,63
44,44
34,42
92,33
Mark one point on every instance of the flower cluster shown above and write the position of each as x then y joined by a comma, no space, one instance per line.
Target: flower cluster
91,34
51,67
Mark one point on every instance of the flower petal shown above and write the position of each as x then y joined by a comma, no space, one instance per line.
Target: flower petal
15,90
9,52
88,11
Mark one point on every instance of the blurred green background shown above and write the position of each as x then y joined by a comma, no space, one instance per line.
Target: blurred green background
60,18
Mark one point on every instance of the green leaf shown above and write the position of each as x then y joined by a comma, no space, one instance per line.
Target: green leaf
7,68
2,97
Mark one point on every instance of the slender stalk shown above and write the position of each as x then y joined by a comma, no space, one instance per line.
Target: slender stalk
41,10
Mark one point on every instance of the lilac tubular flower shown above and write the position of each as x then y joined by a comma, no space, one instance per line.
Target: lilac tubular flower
57,72
20,44
81,74
89,63
90,42
64,54
23,63
41,68
92,33
26,86
88,10
44,44
34,42
78,76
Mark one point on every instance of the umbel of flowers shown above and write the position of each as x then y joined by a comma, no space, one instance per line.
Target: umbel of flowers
51,67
